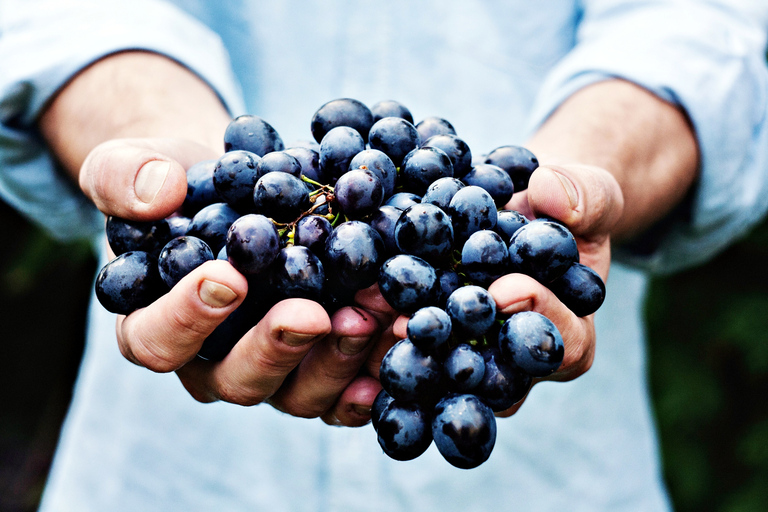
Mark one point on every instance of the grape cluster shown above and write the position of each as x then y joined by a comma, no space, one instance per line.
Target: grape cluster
375,199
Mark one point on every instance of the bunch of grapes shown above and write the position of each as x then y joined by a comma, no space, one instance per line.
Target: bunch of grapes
374,199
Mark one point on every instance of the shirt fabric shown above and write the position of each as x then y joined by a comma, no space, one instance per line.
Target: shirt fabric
134,440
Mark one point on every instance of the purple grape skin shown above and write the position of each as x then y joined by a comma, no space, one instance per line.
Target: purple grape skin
493,180
309,160
380,403
448,282
125,235
390,108
200,189
311,232
380,164
409,374
502,385
395,136
464,430
353,254
517,161
384,221
297,273
441,191
252,244
543,249
181,256
337,149
471,209
178,225
129,282
424,230
431,126
403,200
234,177
464,368
508,222
456,149
359,193
530,341
253,134
429,328
472,310
408,283
422,166
341,112
404,431
278,161
484,257
280,196
212,223
581,289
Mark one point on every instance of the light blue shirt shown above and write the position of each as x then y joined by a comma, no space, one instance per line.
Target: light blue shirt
135,440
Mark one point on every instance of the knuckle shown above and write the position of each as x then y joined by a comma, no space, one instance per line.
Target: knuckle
239,395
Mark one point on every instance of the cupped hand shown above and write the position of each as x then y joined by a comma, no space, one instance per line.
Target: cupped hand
296,357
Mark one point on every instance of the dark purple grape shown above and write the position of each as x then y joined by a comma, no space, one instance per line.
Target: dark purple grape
353,254
380,403
492,179
409,374
178,225
424,230
337,149
341,112
422,166
408,283
212,223
441,191
252,243
308,144
359,193
517,161
456,149
394,136
431,126
390,108
311,232
278,161
234,177
200,189
251,133
448,282
484,257
464,368
384,221
472,311
309,160
181,256
298,273
404,431
543,250
502,385
380,164
580,288
508,222
531,342
280,196
126,235
429,329
464,430
403,200
129,282
471,209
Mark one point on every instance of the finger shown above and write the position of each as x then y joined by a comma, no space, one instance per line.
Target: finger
262,359
517,292
329,367
372,301
169,332
353,409
140,179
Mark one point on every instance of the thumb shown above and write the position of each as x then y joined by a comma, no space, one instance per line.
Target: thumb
140,179
587,199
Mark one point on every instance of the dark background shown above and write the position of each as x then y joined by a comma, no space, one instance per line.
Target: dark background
708,353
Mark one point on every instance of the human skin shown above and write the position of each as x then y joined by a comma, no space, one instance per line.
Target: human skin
615,159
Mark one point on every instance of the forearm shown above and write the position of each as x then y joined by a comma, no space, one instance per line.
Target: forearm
646,143
131,94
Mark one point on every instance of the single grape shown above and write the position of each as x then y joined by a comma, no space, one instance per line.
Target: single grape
125,235
472,311
448,282
409,374
580,288
234,177
543,250
253,134
252,243
311,232
297,273
380,164
394,136
404,431
341,112
309,160
181,256
502,385
464,430
429,329
200,189
484,257
359,193
471,209
380,403
384,221
493,180
517,161
441,191
424,230
212,223
278,161
530,341
390,108
129,282
431,126
403,200
353,254
408,283
422,166
178,225
280,196
464,368
508,222
337,149
456,149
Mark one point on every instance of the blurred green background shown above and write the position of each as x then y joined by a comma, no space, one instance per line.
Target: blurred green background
708,360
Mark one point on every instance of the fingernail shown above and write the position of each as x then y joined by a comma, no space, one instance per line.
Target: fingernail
570,189
349,345
516,307
362,410
296,339
150,179
216,295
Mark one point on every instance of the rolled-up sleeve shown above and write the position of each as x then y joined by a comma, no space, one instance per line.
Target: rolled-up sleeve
43,44
709,58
